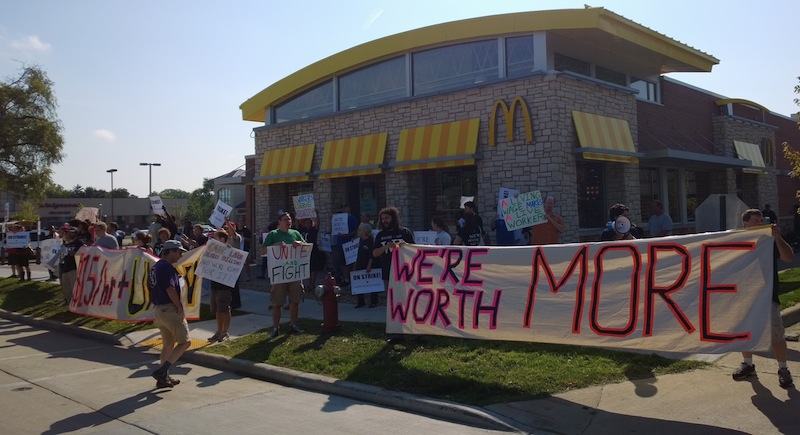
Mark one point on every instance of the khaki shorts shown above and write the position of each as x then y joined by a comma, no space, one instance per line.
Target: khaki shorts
776,323
173,326
220,300
293,289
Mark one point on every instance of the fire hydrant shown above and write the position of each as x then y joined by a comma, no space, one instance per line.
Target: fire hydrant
330,304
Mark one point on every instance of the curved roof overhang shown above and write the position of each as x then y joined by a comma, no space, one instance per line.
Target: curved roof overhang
598,30
726,101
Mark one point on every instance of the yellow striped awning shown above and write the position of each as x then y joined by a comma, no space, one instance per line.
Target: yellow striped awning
438,146
750,151
362,155
287,165
604,138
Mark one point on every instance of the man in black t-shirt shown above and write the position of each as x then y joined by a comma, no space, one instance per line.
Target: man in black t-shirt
390,236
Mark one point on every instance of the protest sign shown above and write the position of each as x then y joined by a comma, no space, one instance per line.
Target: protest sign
89,213
156,205
425,237
113,284
221,263
288,263
505,193
692,293
49,252
339,224
464,200
362,281
18,240
350,251
304,207
523,210
221,211
325,242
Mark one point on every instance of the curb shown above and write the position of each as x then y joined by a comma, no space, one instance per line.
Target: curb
451,411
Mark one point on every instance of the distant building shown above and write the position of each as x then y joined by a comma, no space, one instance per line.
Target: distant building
129,213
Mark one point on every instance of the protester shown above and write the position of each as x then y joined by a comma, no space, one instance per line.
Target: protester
197,239
247,245
308,229
364,260
163,236
155,226
340,270
470,233
781,249
610,232
112,229
103,239
504,237
391,235
67,265
19,258
84,233
284,234
220,300
769,215
235,241
165,294
142,241
548,232
443,236
660,223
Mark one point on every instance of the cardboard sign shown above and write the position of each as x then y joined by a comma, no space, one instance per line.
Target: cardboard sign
425,237
350,251
49,250
325,242
221,263
157,205
523,210
18,240
464,200
288,263
89,213
362,282
339,224
505,193
221,211
304,206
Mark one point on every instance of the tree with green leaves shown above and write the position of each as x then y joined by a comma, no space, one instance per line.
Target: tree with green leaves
31,140
27,212
174,193
201,202
791,155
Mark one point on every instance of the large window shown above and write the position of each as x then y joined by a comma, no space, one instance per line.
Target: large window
224,195
379,83
314,102
610,76
647,90
519,56
444,189
591,194
455,66
649,189
564,63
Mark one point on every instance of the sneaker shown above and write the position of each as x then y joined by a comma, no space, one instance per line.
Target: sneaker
215,337
173,381
785,378
223,337
743,371
295,330
166,383
275,333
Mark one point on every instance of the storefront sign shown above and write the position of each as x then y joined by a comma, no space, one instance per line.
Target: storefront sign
508,115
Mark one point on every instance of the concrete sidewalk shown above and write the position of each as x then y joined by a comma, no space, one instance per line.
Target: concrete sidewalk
702,401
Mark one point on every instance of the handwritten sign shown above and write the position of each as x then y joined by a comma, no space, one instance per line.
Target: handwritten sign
362,281
350,251
50,249
524,210
18,240
325,242
288,263
687,293
464,200
425,237
304,206
221,211
157,205
339,224
112,284
505,193
221,263
89,213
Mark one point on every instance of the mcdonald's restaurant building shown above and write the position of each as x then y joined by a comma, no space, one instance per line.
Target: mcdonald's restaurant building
574,103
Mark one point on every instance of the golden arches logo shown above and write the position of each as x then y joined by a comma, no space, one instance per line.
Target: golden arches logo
508,112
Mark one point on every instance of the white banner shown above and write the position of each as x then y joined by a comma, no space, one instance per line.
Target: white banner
221,263
112,284
304,206
157,205
18,240
221,211
362,281
339,224
523,210
701,293
49,249
425,237
350,251
288,263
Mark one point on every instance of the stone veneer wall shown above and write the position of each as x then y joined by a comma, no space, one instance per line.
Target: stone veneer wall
548,164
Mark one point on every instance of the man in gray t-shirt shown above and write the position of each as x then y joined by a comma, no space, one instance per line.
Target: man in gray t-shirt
103,239
660,223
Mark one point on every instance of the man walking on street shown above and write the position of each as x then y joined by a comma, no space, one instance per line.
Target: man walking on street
782,250
165,293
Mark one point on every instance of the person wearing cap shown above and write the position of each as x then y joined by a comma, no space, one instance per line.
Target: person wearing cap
285,235
165,294
68,267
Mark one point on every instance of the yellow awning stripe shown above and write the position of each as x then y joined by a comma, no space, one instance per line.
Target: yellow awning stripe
354,156
438,146
604,133
287,165
750,151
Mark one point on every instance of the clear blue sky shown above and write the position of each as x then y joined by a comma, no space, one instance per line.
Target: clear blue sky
162,81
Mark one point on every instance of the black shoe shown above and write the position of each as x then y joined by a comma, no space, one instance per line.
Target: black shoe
13,276
164,384
173,381
162,379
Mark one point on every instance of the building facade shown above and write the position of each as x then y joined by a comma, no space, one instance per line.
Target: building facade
573,103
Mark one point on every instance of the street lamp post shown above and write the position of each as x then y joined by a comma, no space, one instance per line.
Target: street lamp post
151,174
111,171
